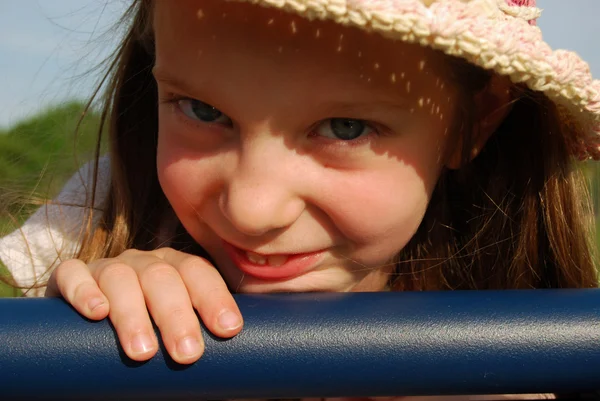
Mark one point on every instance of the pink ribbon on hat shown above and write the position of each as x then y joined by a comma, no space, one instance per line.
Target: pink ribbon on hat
525,3
522,3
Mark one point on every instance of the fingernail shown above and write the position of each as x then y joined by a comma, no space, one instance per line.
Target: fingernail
141,343
94,303
229,320
189,346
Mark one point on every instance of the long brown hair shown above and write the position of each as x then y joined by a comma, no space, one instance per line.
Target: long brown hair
517,216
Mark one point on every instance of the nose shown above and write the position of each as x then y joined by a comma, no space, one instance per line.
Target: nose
262,194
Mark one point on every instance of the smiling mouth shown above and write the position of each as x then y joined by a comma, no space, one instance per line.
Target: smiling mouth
275,266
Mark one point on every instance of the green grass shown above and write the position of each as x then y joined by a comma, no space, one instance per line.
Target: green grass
5,289
37,156
39,153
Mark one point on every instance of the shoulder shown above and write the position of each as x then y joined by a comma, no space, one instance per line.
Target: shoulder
52,233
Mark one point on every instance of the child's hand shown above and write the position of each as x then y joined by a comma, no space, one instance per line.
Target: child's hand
167,283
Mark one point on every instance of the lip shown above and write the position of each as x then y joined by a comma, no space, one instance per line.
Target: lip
296,264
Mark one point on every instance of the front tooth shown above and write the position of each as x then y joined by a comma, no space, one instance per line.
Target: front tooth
256,258
277,260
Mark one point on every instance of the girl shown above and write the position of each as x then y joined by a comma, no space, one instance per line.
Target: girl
287,146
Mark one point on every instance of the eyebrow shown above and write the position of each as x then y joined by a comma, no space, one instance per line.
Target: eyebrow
364,107
332,107
160,75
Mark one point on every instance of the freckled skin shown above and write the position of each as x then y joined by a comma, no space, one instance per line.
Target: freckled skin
268,182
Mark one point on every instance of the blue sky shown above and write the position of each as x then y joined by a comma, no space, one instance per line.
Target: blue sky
48,46
46,49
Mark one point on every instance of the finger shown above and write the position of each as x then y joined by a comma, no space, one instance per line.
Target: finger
170,306
73,280
209,293
128,313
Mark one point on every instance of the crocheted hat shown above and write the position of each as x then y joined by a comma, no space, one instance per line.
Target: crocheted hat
498,35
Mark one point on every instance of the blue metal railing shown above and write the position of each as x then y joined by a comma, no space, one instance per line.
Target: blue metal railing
321,345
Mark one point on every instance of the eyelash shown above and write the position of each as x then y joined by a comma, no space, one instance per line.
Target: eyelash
377,130
172,100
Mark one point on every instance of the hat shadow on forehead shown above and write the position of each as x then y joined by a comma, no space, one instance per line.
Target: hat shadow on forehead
353,62
478,31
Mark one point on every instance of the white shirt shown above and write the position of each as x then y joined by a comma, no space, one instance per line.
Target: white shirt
52,233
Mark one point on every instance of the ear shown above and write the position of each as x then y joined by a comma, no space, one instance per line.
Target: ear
492,105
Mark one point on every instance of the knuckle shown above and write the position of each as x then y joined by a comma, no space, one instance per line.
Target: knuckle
128,253
177,320
164,252
192,263
211,299
178,315
158,271
113,271
216,291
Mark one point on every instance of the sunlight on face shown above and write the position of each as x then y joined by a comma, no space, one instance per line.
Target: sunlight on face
282,136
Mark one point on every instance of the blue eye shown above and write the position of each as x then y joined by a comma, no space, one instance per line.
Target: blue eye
345,129
197,110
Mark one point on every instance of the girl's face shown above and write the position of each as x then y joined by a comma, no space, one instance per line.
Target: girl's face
301,155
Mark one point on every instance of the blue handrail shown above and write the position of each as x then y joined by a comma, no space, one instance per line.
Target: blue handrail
322,345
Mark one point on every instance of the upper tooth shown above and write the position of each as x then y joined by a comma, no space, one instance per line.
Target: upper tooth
277,260
256,258
272,260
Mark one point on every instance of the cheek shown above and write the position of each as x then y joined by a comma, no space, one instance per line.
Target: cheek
184,175
380,211
169,157
175,175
